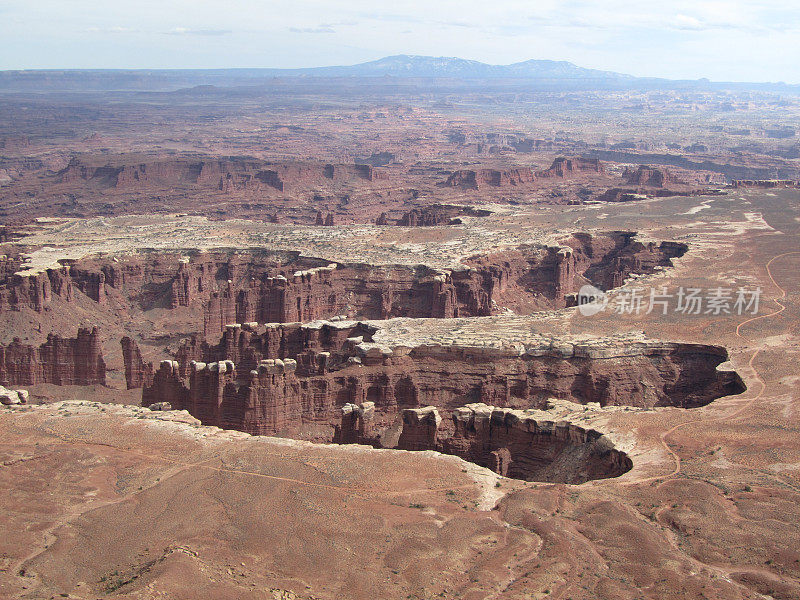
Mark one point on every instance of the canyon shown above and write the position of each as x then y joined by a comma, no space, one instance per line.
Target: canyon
312,368
225,175
305,377
323,338
276,287
341,381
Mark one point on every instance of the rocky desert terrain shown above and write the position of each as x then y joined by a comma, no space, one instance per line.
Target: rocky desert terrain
314,339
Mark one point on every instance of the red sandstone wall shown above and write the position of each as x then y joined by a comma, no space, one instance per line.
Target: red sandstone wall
531,449
477,179
373,293
273,398
34,291
248,286
650,176
138,373
226,175
765,183
561,167
61,361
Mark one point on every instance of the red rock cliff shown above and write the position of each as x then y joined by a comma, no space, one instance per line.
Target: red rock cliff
532,446
138,373
310,384
61,361
650,176
477,179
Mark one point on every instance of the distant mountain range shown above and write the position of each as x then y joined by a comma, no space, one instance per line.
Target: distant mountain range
400,72
405,65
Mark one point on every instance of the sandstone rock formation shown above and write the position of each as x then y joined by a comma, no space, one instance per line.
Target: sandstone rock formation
564,167
650,177
434,215
621,195
237,287
61,361
477,179
420,429
525,278
35,291
160,406
138,373
294,378
765,183
227,175
606,261
521,444
299,380
327,221
13,397
357,426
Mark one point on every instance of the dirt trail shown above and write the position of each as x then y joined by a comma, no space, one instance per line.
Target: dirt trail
739,411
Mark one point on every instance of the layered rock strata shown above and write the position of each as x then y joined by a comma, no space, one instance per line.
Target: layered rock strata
226,175
650,176
138,373
433,216
533,445
294,378
357,426
765,183
60,361
238,287
523,176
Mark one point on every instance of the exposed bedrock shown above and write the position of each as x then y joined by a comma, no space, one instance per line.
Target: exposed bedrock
138,373
731,171
489,403
60,361
420,429
236,287
12,397
527,445
480,178
563,167
293,379
35,291
433,216
766,183
522,176
606,261
227,175
357,426
650,177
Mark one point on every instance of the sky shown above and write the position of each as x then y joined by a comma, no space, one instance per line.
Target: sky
723,40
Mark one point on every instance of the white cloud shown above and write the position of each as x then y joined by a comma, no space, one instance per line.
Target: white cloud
116,29
687,22
190,31
324,28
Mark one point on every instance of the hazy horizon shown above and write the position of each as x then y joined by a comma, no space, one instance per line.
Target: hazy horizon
677,39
